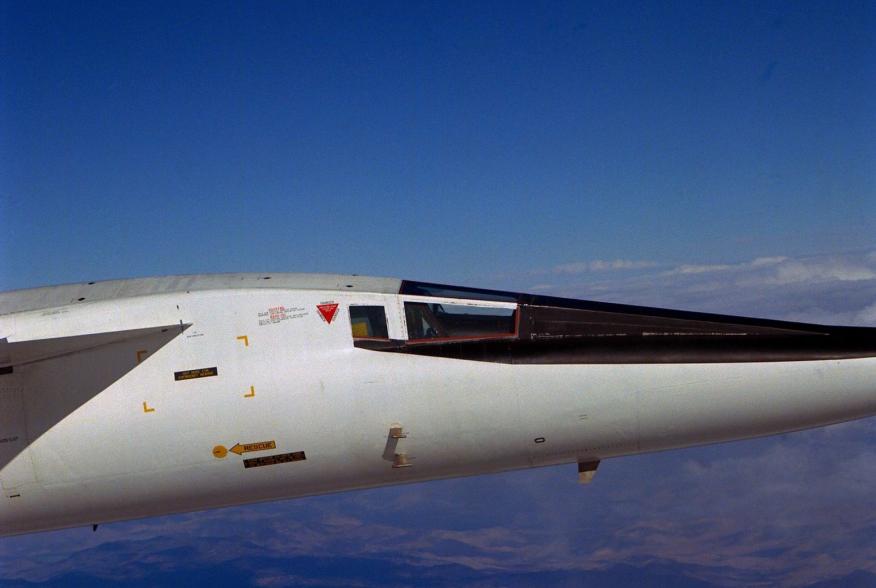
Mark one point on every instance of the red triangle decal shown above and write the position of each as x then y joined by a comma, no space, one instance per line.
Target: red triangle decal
328,311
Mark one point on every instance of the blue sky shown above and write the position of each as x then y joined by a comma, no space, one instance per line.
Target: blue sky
437,141
713,156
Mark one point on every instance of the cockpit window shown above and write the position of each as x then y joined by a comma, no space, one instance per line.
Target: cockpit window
368,322
458,321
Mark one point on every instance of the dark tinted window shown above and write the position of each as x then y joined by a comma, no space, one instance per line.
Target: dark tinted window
368,322
432,320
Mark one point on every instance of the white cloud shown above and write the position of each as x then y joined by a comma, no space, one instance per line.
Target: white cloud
699,269
782,270
821,271
829,289
599,265
760,262
765,261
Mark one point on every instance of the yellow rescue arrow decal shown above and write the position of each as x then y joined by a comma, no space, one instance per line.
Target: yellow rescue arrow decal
241,448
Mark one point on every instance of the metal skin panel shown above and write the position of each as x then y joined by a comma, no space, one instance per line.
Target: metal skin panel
130,440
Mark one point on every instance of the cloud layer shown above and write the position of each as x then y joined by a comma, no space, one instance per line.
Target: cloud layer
829,289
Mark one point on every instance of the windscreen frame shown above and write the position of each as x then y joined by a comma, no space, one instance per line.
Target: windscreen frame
485,304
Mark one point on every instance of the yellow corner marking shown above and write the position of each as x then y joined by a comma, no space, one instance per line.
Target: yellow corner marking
251,392
220,451
146,407
245,340
240,449
141,354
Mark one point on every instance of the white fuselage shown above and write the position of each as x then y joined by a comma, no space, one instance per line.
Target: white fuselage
90,445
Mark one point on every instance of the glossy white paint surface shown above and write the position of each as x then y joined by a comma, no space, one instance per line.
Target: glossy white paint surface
86,449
